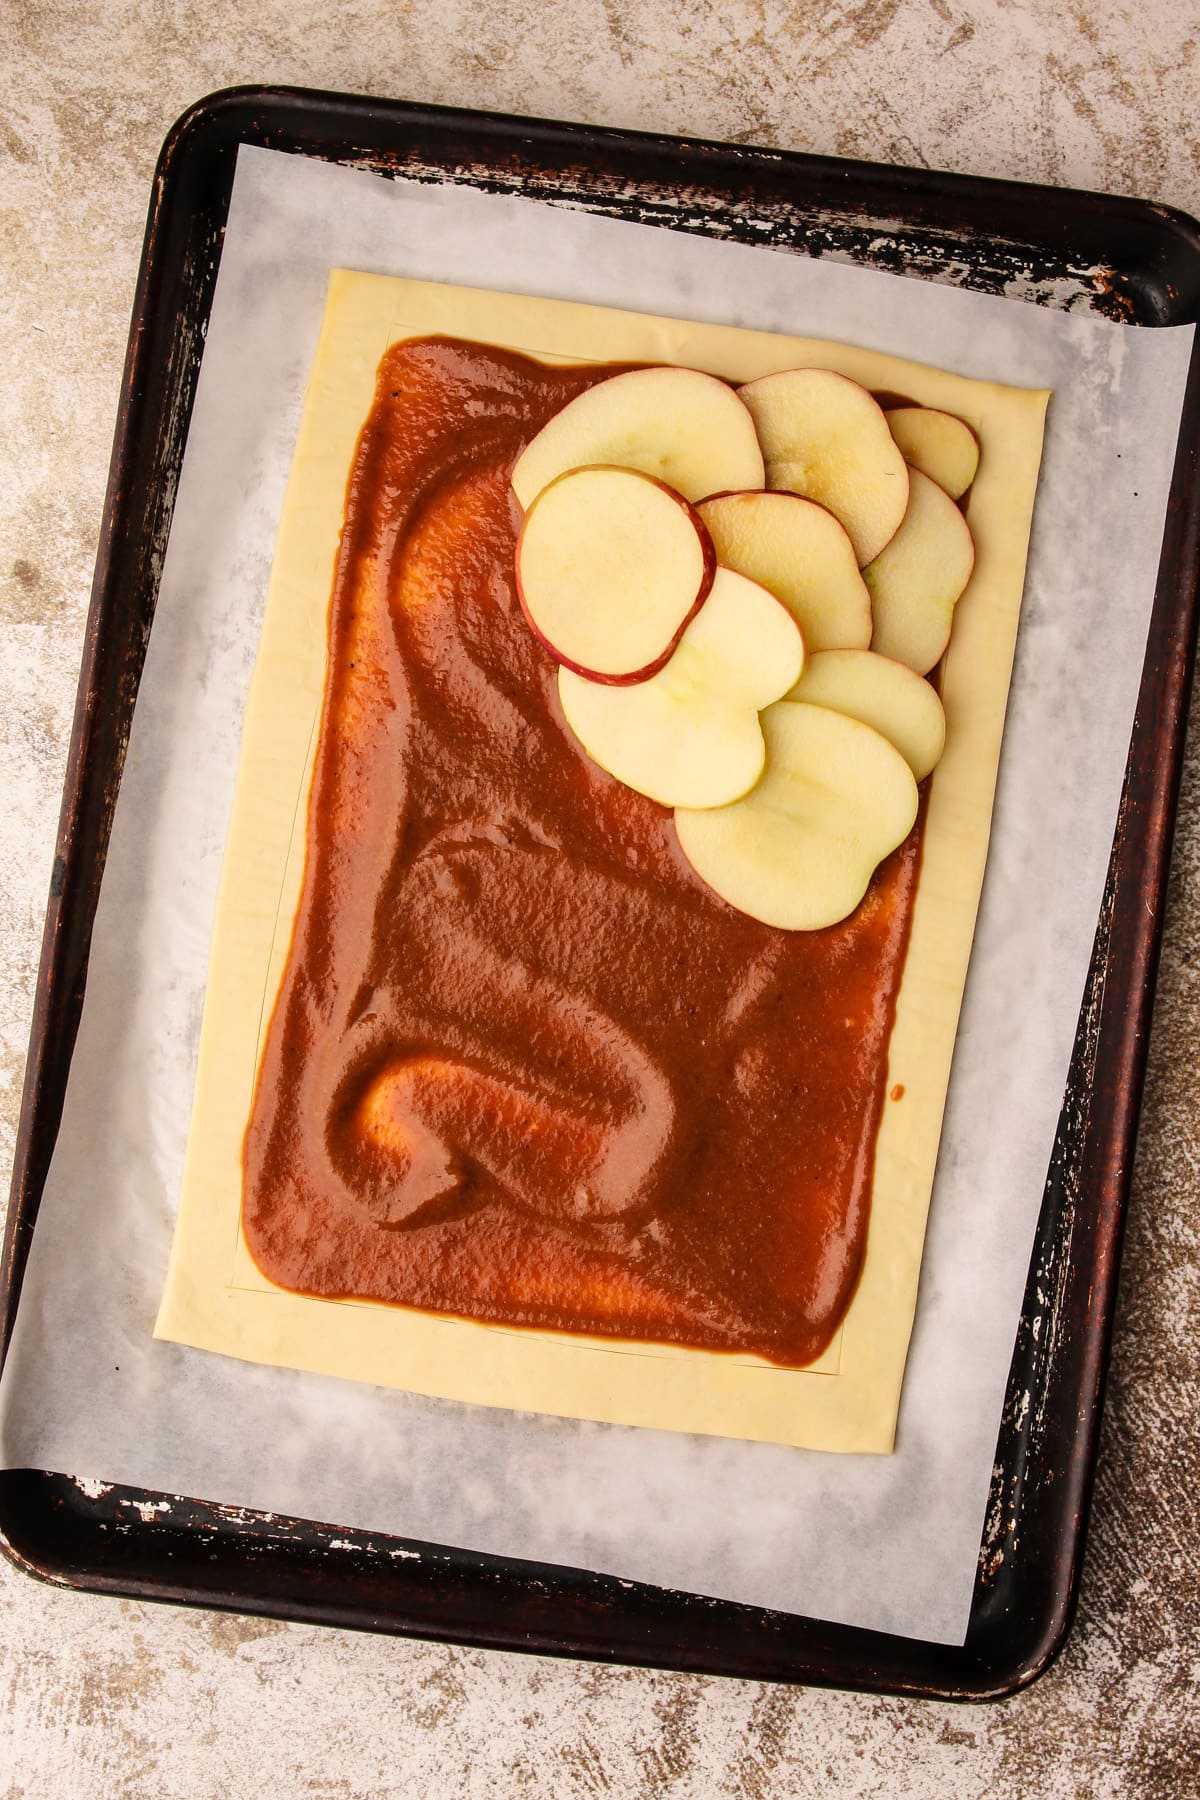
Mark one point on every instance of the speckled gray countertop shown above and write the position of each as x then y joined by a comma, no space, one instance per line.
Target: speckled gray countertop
105,1698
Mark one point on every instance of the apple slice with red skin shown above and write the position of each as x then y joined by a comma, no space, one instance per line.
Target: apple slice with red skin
679,425
824,437
690,735
888,696
941,446
799,850
611,564
916,582
798,551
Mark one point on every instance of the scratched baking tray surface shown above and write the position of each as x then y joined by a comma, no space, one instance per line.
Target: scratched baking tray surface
1124,259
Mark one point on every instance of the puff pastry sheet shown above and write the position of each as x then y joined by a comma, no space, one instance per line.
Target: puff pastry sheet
215,1298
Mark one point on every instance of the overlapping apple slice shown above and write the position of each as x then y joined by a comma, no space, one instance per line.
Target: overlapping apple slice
611,565
916,582
690,735
798,551
888,696
824,437
941,446
799,850
684,427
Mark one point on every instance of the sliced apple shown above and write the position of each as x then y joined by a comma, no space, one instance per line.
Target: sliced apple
824,437
686,428
690,736
938,444
800,552
611,565
888,696
799,850
916,582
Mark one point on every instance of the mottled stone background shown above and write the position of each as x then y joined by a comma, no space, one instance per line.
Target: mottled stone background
100,1699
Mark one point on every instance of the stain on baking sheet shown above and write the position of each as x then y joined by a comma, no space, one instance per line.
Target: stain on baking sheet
958,258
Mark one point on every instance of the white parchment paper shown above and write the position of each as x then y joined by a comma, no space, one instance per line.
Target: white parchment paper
889,1543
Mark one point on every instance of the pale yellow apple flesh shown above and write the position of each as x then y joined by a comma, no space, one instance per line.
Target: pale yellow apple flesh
938,444
610,566
690,735
799,551
916,582
798,851
888,696
824,437
679,425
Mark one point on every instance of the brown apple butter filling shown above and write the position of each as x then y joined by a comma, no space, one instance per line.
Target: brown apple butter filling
524,1067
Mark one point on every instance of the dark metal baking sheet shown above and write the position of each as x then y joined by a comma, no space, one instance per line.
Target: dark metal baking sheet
1123,258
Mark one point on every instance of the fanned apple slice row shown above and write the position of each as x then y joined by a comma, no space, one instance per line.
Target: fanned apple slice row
888,696
611,565
941,446
798,851
824,437
917,581
679,425
690,735
801,554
